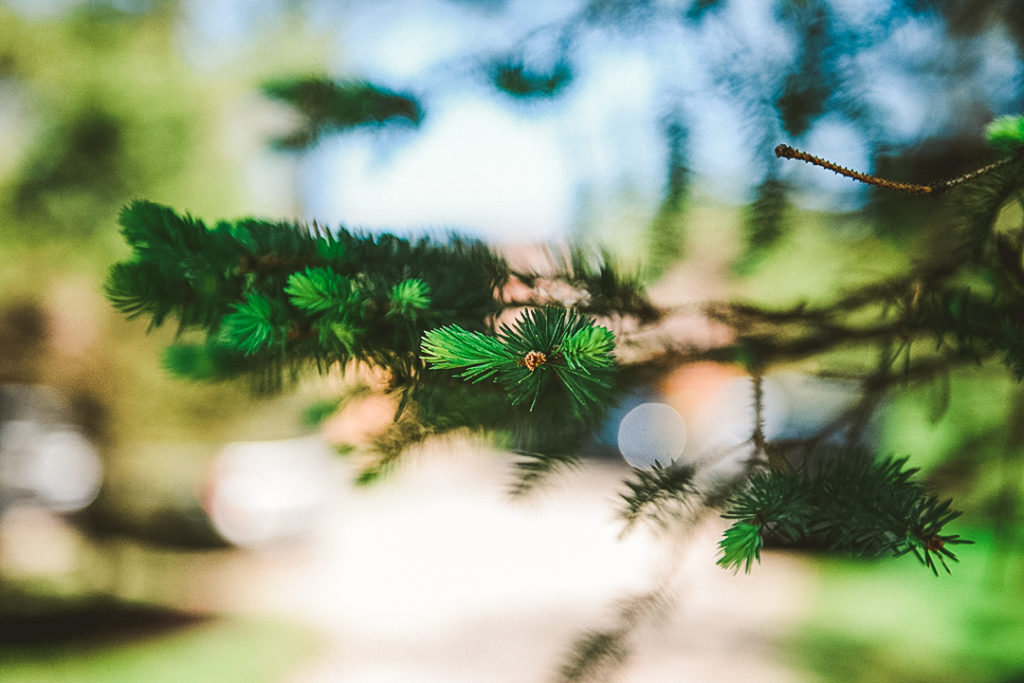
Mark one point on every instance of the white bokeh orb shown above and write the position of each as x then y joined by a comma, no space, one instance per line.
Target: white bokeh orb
66,471
652,433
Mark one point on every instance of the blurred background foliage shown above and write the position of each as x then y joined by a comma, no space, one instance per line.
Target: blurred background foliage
102,102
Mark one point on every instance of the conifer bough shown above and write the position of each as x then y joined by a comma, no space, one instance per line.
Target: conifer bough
264,299
272,296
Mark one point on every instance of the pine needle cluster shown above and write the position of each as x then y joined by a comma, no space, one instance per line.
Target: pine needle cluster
266,300
858,506
270,296
544,345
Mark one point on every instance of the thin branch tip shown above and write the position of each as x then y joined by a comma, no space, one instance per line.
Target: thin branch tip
935,189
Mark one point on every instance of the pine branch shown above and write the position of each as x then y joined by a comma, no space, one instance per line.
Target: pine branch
658,494
598,654
532,468
595,653
855,506
764,221
514,78
280,290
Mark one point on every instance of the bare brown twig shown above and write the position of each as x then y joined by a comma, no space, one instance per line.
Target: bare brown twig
935,189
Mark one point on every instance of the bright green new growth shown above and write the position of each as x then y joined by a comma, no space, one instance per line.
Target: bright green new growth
410,296
741,546
318,290
524,356
1006,133
478,355
254,325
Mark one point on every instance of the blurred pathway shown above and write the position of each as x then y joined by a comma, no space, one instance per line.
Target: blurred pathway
434,575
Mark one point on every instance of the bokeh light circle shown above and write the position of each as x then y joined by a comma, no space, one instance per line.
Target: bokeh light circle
652,433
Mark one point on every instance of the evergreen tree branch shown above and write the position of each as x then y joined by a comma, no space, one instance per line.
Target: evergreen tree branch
658,495
856,506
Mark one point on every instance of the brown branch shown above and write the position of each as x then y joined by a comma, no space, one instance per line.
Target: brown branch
935,189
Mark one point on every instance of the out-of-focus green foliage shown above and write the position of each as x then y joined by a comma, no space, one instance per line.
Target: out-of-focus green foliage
517,80
101,127
1006,133
100,102
327,106
971,629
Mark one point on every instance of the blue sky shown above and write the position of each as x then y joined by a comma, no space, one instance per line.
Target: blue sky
484,164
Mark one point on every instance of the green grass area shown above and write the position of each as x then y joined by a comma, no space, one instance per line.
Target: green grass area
222,650
893,621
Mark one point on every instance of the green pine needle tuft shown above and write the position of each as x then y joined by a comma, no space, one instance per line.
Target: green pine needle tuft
328,106
409,297
543,344
590,347
477,355
253,326
741,547
1006,132
317,290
